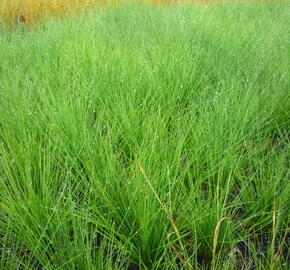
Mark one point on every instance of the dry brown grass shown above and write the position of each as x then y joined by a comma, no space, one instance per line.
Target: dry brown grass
29,11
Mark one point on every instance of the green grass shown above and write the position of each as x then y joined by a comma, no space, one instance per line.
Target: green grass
197,94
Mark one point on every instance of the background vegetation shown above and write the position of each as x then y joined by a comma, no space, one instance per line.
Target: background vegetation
28,12
146,137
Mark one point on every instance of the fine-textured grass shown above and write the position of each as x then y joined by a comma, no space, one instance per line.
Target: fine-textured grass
146,138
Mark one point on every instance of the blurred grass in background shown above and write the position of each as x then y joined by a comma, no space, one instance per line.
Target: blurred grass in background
28,12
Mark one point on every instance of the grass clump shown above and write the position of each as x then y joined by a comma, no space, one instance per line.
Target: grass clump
146,138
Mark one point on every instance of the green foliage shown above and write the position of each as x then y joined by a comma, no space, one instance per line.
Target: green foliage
198,94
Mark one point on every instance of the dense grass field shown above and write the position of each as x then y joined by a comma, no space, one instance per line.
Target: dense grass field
146,137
